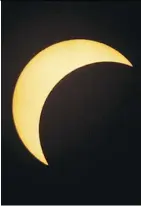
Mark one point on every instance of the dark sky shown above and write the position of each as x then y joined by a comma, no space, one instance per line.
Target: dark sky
99,119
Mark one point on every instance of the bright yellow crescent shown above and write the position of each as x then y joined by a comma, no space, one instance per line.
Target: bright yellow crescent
42,73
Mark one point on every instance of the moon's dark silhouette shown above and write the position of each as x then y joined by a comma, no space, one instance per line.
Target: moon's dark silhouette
85,122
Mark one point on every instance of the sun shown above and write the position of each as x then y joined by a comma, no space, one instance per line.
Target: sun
40,76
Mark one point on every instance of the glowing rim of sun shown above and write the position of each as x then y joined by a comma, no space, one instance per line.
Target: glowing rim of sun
42,73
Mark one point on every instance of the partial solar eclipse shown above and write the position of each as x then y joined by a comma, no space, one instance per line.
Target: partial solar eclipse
41,75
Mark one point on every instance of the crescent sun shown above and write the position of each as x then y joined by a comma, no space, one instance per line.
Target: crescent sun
40,76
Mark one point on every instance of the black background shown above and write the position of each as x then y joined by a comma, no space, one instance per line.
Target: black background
27,28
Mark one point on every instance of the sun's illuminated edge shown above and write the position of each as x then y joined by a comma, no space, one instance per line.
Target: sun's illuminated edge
40,76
